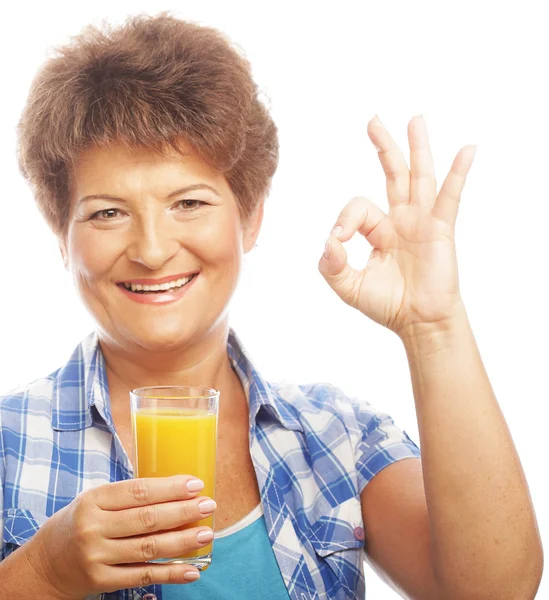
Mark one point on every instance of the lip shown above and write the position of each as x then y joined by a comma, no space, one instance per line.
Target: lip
164,298
167,279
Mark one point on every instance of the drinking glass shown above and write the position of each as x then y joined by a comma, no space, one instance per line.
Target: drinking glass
175,433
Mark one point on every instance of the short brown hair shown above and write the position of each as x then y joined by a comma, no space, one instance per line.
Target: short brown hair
147,83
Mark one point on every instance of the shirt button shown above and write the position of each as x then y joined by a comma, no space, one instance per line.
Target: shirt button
359,534
149,597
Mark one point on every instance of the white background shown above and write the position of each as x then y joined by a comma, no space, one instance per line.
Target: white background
478,73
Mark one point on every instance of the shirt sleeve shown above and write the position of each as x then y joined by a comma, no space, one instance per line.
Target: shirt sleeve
380,444
377,441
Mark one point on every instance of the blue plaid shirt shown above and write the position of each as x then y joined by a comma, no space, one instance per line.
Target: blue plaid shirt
313,449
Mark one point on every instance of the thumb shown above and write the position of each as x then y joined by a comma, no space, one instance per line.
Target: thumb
340,276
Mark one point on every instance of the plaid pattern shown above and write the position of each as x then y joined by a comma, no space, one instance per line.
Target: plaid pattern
313,448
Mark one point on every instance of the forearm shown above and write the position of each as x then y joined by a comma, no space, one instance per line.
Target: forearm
20,578
485,540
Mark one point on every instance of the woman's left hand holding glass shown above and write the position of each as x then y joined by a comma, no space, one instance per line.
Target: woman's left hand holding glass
411,278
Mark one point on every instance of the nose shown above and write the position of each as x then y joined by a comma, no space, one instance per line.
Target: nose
153,243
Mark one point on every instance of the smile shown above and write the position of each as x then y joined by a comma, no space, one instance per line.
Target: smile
157,288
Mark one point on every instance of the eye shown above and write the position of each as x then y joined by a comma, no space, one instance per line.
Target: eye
105,214
189,204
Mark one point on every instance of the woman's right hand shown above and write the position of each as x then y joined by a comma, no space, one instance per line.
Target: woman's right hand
101,541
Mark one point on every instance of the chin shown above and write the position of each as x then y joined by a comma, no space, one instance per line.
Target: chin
162,339
151,337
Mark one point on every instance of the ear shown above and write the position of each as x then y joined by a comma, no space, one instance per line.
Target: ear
63,249
252,227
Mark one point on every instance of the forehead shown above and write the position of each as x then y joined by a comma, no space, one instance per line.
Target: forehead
118,169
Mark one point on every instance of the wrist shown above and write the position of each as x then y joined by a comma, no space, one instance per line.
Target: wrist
428,338
22,577
39,557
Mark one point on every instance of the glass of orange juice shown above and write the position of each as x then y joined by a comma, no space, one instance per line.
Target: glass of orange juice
175,433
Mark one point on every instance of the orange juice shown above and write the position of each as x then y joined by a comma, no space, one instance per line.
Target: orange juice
177,441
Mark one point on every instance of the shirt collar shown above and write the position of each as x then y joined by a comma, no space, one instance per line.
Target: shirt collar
259,392
78,385
82,384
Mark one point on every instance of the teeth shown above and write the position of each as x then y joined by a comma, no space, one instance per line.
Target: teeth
136,287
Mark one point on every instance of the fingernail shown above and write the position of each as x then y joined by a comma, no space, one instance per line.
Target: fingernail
327,248
336,231
379,120
203,537
191,575
195,485
207,506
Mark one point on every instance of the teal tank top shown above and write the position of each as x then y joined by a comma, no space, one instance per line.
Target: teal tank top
243,566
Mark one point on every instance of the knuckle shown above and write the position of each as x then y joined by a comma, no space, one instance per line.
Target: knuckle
96,495
149,546
175,574
172,575
140,490
85,530
148,516
391,174
185,543
82,503
93,559
95,577
145,577
186,509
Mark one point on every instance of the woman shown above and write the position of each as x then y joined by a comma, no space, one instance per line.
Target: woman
151,157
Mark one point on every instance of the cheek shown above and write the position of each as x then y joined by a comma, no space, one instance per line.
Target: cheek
221,243
90,258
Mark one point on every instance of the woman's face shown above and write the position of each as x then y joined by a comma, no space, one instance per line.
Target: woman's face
140,223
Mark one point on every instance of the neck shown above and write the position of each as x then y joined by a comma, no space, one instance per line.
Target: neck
202,363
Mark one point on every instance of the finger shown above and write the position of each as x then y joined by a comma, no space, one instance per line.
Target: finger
169,544
397,173
151,490
341,277
362,215
359,215
423,185
447,203
157,517
136,576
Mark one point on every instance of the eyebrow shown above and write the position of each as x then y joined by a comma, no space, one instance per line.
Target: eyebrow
183,190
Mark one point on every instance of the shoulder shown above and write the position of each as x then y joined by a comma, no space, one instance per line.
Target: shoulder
67,381
25,411
332,421
314,403
34,395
